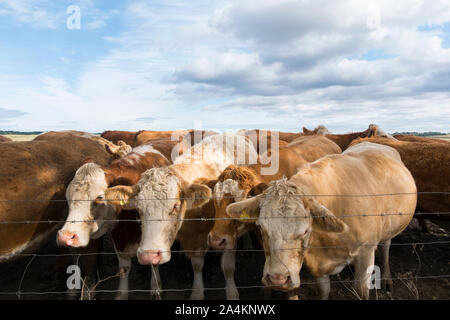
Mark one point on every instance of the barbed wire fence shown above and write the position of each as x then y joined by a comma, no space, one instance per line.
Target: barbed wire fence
159,291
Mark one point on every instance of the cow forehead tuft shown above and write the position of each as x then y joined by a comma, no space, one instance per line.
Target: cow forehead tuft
88,180
228,186
158,189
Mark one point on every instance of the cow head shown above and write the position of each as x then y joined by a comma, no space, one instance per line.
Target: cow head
234,184
320,130
86,217
374,130
286,220
161,197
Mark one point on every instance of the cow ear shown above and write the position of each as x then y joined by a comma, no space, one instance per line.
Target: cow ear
121,197
258,189
324,219
87,160
196,195
246,210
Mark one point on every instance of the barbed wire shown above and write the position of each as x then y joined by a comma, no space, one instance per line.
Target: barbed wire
224,250
225,218
210,288
205,219
231,197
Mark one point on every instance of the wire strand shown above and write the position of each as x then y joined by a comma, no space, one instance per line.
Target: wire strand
213,288
419,214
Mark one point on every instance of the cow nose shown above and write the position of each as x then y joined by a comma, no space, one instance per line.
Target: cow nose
216,242
67,238
278,279
149,257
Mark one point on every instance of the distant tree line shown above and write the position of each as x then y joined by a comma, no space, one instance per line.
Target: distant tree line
424,134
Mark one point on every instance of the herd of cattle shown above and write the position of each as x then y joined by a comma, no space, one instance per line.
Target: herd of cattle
332,200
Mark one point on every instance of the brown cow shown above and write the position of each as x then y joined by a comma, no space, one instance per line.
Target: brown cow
89,183
412,138
119,150
328,233
429,163
165,196
40,171
320,130
238,182
5,139
344,140
116,136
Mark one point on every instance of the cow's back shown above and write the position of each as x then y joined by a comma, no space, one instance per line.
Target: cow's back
359,185
429,163
114,136
301,151
31,174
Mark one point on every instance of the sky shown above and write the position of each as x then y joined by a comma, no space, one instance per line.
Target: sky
224,65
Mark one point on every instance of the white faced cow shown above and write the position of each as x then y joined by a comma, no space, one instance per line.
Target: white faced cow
165,196
90,217
328,232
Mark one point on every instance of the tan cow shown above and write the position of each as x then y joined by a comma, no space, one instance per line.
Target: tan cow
190,137
327,216
239,182
164,197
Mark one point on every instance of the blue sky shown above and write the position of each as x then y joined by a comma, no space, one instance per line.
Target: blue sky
225,65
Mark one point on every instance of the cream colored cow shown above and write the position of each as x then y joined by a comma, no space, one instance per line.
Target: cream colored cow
164,197
328,232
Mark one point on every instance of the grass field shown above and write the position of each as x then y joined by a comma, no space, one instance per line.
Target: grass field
21,137
447,137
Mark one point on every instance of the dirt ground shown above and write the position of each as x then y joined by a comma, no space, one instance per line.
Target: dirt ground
408,263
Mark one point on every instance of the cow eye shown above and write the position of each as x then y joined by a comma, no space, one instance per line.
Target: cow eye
100,198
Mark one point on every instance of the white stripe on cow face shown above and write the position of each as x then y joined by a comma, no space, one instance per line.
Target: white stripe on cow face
282,233
160,210
85,218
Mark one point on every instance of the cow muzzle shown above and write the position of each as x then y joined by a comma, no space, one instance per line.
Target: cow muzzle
67,238
148,257
217,242
278,281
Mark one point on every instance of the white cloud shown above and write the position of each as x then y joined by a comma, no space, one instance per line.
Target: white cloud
321,56
277,64
30,12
